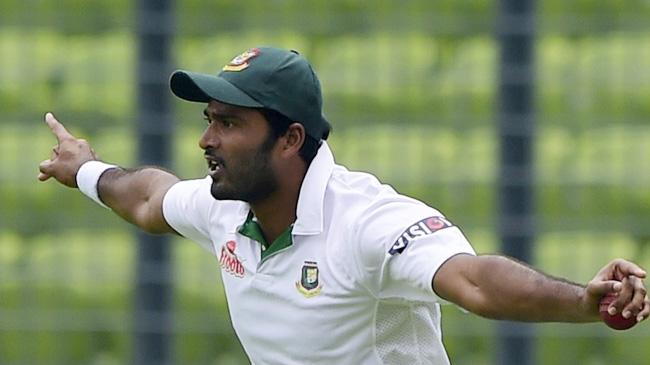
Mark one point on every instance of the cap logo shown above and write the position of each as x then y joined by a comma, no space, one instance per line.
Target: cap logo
241,62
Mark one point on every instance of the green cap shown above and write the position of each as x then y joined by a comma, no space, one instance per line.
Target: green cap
263,77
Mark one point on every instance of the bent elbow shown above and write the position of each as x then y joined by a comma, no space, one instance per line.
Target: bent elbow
485,303
154,229
149,218
484,308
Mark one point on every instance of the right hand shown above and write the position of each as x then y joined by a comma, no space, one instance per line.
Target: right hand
626,279
67,156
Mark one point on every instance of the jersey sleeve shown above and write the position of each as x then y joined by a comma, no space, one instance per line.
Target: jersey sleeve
186,208
401,246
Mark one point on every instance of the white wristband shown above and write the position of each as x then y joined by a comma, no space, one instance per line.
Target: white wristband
88,176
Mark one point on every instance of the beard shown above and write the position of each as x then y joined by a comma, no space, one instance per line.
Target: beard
248,177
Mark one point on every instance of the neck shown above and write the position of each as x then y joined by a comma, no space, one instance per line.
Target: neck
274,215
278,211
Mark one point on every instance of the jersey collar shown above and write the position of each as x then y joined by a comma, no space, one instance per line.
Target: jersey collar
309,213
252,230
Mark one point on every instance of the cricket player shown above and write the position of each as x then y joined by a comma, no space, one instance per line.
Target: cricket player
321,265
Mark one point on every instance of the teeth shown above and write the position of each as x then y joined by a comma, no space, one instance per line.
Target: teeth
213,165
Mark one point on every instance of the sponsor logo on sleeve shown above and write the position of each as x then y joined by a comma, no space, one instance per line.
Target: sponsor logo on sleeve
229,261
422,228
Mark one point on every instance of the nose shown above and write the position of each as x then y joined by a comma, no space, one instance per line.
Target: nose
208,139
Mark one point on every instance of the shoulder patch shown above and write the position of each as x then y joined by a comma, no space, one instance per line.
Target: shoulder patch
421,228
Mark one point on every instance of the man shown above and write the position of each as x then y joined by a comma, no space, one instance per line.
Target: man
321,265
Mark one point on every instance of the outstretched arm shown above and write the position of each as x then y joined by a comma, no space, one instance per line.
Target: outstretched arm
135,195
501,288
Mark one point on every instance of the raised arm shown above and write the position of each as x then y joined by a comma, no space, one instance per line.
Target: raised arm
135,195
501,288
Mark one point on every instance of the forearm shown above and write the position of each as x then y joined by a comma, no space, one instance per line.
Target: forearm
506,289
136,195
514,291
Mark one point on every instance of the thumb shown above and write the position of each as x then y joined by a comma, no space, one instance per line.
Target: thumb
43,177
601,288
45,167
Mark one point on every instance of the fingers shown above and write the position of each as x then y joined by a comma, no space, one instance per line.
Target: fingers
600,288
66,157
631,298
623,268
624,297
619,269
57,128
624,278
636,294
645,312
44,166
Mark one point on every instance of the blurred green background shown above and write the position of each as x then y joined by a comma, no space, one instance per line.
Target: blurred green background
410,88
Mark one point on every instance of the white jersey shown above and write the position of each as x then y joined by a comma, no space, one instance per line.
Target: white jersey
350,282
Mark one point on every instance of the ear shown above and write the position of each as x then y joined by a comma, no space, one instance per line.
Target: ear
293,139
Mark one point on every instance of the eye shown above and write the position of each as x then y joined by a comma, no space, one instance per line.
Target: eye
227,123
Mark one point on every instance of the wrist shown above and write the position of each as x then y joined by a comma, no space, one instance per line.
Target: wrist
588,308
88,176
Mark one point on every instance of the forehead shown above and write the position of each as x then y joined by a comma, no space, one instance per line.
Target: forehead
216,107
251,118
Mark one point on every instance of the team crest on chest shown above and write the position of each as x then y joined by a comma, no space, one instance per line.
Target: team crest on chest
229,261
309,284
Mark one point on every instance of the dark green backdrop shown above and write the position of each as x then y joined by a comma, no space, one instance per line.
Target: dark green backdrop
410,89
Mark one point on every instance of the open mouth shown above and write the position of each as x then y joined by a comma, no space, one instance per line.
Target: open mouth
214,164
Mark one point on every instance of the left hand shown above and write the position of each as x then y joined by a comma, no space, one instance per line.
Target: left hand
624,278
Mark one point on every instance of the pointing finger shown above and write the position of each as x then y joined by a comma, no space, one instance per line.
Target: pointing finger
57,128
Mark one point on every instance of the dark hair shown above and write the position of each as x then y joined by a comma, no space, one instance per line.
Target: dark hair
279,124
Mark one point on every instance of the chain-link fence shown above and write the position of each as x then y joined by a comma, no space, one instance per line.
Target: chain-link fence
410,88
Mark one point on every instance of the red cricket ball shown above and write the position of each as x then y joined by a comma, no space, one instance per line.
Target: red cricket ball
617,321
